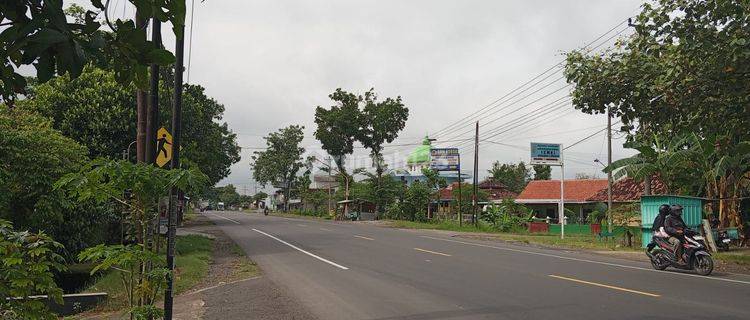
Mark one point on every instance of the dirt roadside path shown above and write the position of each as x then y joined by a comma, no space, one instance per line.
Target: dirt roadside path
234,288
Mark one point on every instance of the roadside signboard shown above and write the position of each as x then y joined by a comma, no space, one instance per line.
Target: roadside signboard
444,159
163,147
546,153
551,154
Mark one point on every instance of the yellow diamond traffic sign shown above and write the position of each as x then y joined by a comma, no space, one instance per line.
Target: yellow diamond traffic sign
163,147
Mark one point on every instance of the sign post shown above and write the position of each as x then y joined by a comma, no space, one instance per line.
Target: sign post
551,154
448,159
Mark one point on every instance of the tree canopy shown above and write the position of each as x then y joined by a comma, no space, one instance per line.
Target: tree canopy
513,176
282,159
679,84
542,172
95,110
683,70
40,34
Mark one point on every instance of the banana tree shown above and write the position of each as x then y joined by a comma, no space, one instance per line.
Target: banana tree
721,168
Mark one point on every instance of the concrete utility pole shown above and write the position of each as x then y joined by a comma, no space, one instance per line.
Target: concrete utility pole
328,183
460,215
609,165
475,216
175,199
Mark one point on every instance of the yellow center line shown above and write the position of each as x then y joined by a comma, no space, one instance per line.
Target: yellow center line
606,286
433,252
366,238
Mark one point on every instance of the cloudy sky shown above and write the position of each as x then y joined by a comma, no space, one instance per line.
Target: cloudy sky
272,62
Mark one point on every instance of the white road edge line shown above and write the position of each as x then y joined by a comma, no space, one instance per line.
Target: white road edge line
586,260
225,218
366,238
303,251
324,229
433,252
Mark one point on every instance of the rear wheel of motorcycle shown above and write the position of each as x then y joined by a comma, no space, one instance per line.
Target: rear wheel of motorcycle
704,265
658,261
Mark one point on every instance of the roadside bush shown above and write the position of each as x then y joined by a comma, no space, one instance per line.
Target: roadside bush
507,216
33,156
27,263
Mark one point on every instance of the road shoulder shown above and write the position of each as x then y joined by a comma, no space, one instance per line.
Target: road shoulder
234,288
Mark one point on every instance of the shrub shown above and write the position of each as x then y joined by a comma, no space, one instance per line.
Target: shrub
27,263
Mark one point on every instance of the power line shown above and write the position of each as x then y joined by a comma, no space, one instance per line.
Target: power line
470,117
190,46
547,85
589,136
525,119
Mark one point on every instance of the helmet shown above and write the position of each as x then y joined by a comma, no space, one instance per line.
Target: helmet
676,209
664,209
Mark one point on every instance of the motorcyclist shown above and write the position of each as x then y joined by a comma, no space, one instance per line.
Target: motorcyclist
676,229
657,227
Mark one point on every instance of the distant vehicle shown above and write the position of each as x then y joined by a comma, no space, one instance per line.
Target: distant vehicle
220,206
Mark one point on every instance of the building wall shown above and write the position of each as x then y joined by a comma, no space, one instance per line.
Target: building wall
550,210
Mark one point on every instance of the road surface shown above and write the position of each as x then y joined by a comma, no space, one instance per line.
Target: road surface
341,270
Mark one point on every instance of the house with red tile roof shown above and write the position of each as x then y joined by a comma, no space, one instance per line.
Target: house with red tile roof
581,196
495,190
628,190
543,197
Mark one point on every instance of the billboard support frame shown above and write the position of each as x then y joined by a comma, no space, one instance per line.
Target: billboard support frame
549,157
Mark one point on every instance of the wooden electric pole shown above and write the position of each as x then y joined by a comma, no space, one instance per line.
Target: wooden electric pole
141,102
175,197
475,204
609,173
152,110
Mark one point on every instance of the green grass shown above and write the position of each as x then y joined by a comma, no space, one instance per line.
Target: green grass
192,261
447,225
570,241
733,257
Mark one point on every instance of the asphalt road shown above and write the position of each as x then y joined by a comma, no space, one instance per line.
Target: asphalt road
341,270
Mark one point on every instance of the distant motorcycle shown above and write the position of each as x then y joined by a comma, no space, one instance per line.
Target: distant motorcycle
265,211
723,240
695,255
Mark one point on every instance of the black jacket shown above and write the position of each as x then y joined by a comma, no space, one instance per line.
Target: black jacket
674,223
658,221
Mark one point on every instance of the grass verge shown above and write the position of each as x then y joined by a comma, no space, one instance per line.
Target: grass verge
192,261
571,241
741,258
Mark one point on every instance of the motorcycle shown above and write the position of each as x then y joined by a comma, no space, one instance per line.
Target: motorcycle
695,254
723,240
265,211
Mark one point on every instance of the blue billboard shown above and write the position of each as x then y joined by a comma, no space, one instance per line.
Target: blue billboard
445,159
546,153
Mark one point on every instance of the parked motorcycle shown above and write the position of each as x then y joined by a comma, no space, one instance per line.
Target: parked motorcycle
695,254
723,240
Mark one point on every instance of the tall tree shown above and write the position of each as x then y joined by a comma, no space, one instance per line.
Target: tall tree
281,161
338,129
435,182
683,71
514,176
382,121
542,172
